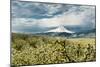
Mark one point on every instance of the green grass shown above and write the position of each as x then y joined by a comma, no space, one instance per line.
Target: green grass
30,50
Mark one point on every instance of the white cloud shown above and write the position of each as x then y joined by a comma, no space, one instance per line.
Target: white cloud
70,17
67,15
23,22
67,18
61,20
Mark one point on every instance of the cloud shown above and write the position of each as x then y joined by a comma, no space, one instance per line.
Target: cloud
36,17
25,25
70,19
85,18
21,9
61,20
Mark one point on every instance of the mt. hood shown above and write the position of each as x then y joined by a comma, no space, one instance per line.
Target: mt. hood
60,29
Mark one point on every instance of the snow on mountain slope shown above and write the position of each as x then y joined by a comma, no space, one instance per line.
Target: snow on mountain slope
60,29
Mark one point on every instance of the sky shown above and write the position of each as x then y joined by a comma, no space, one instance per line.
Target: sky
33,17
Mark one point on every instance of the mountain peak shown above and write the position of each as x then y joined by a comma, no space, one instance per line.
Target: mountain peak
60,29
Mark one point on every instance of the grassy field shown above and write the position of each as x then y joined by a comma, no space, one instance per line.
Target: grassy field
33,50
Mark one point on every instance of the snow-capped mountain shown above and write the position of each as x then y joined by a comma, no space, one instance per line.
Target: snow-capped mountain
63,32
60,29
